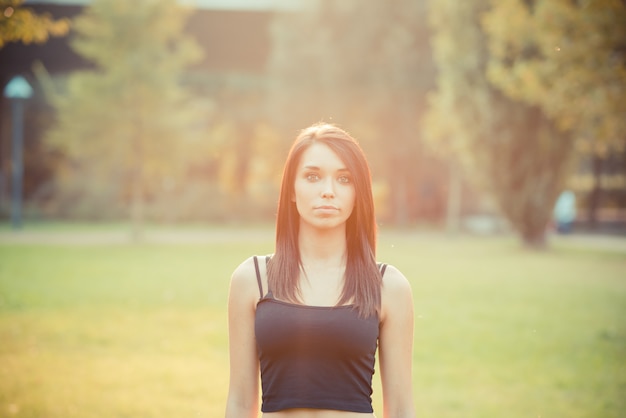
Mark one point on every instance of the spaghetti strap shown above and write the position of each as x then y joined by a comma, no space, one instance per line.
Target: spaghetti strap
383,267
258,275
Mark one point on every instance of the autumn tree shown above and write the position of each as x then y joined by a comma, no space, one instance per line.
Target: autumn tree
22,24
568,58
128,123
513,149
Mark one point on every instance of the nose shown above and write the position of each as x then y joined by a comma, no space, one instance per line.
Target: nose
327,190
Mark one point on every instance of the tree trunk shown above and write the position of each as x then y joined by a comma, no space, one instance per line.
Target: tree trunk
401,214
244,155
453,209
137,202
534,239
594,196
137,211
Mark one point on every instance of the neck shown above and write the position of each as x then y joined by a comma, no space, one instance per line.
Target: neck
322,247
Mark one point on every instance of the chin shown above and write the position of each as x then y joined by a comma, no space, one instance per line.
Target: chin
329,224
320,223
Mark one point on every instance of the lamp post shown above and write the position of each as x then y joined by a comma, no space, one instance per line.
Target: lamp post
17,91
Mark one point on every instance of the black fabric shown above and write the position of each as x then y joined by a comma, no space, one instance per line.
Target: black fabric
258,276
315,357
382,268
258,273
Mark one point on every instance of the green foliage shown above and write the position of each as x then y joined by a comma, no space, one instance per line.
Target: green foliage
513,149
106,330
130,121
20,24
566,57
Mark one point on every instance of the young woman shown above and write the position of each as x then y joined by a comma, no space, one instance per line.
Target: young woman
311,316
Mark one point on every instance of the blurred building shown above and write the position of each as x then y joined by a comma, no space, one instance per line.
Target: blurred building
233,34
235,37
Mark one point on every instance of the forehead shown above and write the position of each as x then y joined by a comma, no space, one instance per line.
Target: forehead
320,155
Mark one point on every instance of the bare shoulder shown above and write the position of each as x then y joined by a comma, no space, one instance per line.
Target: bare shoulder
397,297
243,280
245,270
395,282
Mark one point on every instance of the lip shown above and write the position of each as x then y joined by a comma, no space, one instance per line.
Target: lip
327,207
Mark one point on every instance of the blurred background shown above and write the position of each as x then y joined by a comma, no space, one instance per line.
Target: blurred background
141,149
474,116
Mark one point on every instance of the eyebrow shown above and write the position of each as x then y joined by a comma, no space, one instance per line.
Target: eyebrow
314,167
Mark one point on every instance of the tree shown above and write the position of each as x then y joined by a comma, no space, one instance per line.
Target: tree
511,148
569,59
566,57
21,24
130,122
365,65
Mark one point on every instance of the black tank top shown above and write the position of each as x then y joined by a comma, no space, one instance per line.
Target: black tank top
314,357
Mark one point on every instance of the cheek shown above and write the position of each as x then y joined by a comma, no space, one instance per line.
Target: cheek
299,191
295,192
352,197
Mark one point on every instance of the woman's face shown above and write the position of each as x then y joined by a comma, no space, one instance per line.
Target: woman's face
323,189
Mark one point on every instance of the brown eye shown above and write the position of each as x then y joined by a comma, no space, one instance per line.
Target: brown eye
344,179
312,177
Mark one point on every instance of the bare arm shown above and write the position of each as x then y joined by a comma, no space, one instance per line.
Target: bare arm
243,389
396,346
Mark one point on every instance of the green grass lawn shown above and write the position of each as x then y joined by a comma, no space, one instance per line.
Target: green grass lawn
124,330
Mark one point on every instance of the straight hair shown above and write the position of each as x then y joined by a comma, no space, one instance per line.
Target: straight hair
362,278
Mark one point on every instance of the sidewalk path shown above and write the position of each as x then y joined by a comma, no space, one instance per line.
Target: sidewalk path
207,235
613,243
123,237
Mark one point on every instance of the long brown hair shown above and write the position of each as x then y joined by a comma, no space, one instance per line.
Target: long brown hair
362,279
